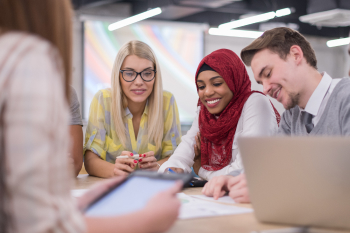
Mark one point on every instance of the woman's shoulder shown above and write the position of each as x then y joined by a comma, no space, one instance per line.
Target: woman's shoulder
167,95
258,102
257,98
34,56
103,93
168,99
29,46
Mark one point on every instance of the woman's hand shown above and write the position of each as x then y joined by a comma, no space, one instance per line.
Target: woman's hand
148,162
162,210
124,166
197,154
96,191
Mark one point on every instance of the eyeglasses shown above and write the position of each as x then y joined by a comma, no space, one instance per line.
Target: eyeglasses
146,75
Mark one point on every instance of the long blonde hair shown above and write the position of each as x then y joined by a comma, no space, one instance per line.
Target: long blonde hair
155,100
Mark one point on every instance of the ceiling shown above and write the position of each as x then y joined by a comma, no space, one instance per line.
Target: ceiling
215,12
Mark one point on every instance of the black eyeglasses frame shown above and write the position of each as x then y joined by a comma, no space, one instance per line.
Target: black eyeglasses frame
137,74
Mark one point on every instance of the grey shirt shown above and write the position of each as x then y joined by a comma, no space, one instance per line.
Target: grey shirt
75,116
334,121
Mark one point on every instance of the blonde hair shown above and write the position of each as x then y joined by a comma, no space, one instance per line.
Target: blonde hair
155,100
51,20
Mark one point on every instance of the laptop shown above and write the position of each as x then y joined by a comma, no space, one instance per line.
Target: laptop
299,180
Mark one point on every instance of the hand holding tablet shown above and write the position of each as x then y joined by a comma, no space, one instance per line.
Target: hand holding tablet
135,193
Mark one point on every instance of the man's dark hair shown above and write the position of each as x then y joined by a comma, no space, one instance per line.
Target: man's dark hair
279,40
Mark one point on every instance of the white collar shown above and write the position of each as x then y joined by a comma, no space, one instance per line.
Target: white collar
315,101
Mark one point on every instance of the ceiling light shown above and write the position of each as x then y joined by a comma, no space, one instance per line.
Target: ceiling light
247,21
235,33
338,42
256,18
134,19
283,12
331,18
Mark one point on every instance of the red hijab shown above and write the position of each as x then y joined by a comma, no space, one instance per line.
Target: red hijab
217,134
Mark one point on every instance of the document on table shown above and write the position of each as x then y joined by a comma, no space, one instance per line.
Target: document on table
192,207
224,199
78,192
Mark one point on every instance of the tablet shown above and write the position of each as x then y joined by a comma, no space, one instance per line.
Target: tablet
134,193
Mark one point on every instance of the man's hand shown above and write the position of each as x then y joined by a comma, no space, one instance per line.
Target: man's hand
238,189
217,186
235,185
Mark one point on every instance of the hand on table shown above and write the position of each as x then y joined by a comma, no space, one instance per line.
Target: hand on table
124,166
238,189
148,162
162,210
235,185
96,191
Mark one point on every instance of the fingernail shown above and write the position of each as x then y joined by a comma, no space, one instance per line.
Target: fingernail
131,154
135,161
140,160
144,155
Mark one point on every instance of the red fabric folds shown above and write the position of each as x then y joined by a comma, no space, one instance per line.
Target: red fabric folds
217,134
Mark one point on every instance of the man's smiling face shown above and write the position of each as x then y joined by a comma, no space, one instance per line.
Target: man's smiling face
278,77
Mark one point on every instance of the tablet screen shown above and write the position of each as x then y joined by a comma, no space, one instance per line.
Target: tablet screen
130,196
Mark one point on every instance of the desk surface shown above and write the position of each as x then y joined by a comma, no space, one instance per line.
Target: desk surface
242,223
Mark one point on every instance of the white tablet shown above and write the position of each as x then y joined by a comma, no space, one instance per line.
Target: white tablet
133,194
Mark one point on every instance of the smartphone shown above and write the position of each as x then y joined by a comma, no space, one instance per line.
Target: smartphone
133,193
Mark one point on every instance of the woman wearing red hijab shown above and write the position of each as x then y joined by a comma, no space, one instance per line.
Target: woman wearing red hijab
227,109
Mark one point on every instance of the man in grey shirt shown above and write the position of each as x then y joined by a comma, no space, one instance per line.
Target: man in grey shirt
284,62
76,133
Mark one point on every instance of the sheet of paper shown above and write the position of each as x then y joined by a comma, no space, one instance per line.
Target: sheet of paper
78,192
196,208
224,199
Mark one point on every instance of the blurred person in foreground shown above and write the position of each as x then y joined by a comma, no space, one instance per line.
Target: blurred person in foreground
35,182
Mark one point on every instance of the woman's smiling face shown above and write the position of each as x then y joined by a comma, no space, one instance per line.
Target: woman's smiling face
213,91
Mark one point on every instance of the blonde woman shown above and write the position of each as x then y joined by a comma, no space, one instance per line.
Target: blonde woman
135,116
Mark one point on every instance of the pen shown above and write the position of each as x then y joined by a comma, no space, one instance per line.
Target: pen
135,156
171,171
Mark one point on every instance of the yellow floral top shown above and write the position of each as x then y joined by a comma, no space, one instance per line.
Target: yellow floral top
101,138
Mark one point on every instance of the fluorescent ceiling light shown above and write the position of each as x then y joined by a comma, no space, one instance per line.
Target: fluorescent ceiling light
283,12
135,18
235,33
338,42
249,20
256,19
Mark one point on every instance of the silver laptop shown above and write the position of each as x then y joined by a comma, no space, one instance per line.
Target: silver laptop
299,180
